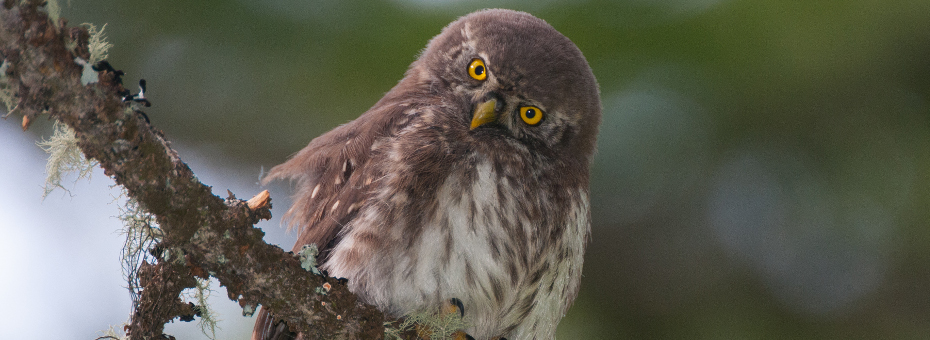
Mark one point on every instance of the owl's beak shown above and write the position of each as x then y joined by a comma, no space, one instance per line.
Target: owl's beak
484,114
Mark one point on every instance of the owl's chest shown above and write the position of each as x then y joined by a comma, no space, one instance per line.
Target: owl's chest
476,230
483,238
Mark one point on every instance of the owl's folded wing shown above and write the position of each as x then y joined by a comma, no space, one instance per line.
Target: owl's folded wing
333,176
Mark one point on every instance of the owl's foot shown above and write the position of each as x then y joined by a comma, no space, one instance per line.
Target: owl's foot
454,306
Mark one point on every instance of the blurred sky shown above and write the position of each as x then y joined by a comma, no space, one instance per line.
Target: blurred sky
761,169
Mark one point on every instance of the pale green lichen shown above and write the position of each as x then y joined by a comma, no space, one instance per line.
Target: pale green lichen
98,46
64,156
97,43
54,11
307,256
439,326
248,310
114,333
208,317
173,255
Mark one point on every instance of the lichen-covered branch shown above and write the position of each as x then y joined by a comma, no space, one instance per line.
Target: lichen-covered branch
203,235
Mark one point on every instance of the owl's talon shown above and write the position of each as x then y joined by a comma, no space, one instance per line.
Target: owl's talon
455,305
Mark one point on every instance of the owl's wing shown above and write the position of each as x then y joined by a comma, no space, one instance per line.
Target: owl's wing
333,176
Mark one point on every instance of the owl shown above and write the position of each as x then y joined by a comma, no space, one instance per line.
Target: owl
468,180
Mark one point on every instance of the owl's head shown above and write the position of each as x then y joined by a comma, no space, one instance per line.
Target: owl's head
514,75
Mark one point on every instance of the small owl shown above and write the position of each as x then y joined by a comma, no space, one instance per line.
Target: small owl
467,181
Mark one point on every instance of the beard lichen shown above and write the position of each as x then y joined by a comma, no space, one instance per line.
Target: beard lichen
208,317
114,333
64,156
97,43
433,326
54,11
97,46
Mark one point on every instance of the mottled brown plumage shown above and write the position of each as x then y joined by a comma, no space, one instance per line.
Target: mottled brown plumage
430,195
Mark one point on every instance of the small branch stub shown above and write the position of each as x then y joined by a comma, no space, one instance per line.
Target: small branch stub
259,201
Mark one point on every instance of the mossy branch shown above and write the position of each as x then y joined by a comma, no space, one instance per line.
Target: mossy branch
198,235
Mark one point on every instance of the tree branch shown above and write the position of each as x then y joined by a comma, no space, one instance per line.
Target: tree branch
216,237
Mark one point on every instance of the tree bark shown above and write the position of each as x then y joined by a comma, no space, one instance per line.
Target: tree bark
217,237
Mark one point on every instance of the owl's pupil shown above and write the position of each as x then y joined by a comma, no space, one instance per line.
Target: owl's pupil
479,70
530,113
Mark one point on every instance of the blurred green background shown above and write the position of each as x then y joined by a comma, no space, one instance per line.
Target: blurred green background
761,169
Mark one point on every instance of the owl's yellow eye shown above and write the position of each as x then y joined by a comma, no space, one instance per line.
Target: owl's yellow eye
477,69
531,115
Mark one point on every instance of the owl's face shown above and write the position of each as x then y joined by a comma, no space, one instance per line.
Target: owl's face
516,78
